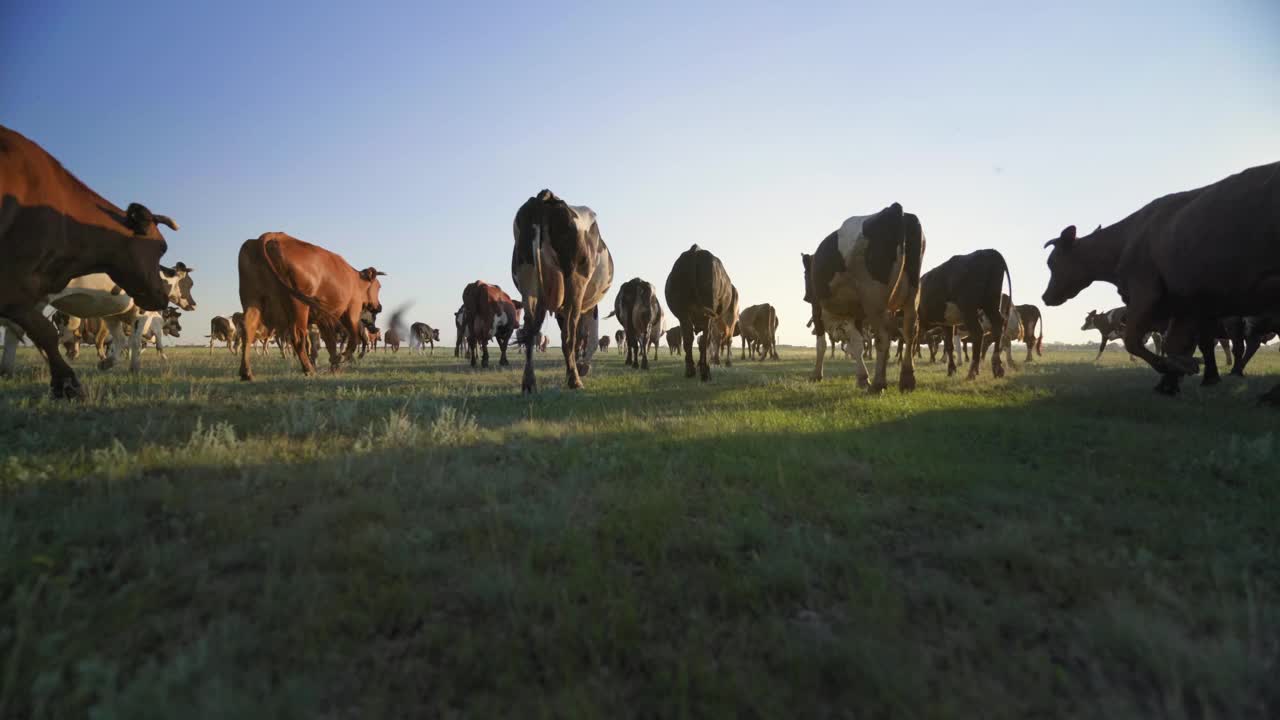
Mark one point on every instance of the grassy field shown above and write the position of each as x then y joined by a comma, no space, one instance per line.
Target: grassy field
412,538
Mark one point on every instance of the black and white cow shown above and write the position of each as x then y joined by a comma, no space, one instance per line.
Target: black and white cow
862,275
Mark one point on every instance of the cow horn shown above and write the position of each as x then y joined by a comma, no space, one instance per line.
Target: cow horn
378,272
165,220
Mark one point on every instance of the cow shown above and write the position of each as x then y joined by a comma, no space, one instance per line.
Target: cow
1187,259
421,335
156,325
864,273
722,346
1111,326
561,265
96,295
957,293
638,310
603,343
1032,327
542,342
488,314
759,330
619,338
700,294
54,228
1013,331
283,280
674,337
391,339
1255,330
221,330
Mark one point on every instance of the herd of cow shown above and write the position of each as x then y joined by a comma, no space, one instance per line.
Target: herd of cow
1192,268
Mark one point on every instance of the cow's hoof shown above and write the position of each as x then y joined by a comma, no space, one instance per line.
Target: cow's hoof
704,373
689,371
503,363
1210,380
876,388
1182,365
584,369
574,383
815,378
997,371
862,382
907,381
973,375
1168,385
67,388
106,364
644,364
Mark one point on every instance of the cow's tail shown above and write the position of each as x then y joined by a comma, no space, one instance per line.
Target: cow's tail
1040,336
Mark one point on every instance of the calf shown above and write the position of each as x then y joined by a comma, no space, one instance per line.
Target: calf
957,293
488,314
421,335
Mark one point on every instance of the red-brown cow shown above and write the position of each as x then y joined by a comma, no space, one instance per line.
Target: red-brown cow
54,228
488,313
283,280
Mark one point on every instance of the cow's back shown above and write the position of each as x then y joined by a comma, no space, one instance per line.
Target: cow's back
37,188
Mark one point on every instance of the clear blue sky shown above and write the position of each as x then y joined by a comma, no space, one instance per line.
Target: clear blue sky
406,137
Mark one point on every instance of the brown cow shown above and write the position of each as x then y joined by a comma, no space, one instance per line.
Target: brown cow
604,343
1032,328
673,340
488,313
283,280
561,265
1188,258
759,329
700,294
54,228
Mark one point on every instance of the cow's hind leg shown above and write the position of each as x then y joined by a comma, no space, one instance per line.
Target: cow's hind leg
974,328
569,347
252,318
644,352
1179,344
686,340
704,370
534,317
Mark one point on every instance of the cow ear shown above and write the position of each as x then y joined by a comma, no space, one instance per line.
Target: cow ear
138,218
1065,240
183,268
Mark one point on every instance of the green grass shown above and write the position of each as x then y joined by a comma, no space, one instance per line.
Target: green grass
412,538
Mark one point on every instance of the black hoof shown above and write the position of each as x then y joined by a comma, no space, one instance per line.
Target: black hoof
1168,385
67,388
1210,380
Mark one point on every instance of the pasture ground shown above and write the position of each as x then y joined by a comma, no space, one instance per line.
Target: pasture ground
412,538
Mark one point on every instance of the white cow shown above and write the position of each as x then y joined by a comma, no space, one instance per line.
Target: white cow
98,296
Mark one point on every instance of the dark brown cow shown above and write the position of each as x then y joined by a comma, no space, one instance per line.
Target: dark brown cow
391,339
619,338
1032,327
54,228
603,343
221,330
561,265
956,293
701,295
1188,258
283,280
488,314
759,329
674,336
640,313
